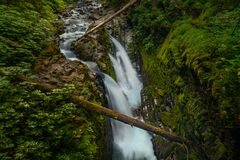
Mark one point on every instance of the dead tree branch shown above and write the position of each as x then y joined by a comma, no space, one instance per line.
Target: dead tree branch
109,18
109,113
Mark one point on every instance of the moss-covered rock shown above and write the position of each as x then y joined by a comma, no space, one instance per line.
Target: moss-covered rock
192,77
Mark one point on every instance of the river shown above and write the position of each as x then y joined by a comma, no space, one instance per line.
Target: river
123,95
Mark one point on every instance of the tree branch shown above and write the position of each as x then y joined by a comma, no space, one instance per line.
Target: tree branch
109,18
109,113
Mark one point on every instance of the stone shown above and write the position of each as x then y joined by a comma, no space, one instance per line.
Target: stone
94,16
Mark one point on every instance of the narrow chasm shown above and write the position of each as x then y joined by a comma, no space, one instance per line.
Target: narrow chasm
120,79
122,95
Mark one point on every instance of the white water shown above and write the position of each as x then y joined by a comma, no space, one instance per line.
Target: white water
130,143
126,75
76,24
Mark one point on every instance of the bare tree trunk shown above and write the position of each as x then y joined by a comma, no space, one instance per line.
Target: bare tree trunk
110,113
109,18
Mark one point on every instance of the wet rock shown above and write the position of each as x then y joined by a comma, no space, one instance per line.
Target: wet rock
91,48
58,71
102,12
84,49
66,79
69,71
81,77
94,16
91,76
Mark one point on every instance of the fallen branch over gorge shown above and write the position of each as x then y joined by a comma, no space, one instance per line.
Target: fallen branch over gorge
109,18
109,113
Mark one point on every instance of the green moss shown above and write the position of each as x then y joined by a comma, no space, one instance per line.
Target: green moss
105,63
193,73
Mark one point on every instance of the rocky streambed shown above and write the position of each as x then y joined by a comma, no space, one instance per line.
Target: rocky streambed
53,68
63,67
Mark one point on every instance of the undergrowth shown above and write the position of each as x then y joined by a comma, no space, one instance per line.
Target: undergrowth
35,124
190,51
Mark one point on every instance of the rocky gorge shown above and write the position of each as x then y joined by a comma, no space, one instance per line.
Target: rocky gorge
183,52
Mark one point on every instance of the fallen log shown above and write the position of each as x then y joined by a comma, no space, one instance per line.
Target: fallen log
109,18
125,119
109,113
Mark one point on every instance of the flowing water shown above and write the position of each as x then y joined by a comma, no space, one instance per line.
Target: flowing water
123,95
76,23
130,143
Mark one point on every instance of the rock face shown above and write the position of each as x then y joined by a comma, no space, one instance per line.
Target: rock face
149,110
57,71
94,16
92,47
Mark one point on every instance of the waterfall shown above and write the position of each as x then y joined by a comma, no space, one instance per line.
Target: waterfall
126,75
130,143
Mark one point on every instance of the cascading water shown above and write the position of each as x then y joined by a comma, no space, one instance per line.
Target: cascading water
76,24
130,143
126,75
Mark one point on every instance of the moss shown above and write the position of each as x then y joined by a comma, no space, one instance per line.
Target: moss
105,63
193,75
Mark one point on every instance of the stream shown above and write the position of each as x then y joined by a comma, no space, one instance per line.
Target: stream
123,95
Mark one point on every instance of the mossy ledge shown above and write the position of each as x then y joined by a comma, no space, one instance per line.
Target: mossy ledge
190,53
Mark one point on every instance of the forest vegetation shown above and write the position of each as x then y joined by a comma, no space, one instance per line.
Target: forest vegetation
190,52
34,124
